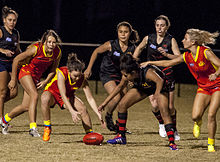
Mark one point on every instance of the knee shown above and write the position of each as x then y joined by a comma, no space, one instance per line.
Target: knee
211,116
44,101
83,111
195,117
122,107
34,96
3,92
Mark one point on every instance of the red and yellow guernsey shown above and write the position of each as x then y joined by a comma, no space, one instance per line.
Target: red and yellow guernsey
39,62
71,87
201,68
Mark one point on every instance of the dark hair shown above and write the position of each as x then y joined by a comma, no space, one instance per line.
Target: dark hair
74,64
128,64
134,37
50,33
165,18
6,11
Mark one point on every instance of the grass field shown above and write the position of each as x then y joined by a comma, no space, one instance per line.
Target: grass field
144,144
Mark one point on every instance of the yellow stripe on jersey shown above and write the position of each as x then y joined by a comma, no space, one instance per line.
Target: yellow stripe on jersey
184,57
215,67
45,54
60,72
70,80
35,52
205,54
197,54
53,80
59,53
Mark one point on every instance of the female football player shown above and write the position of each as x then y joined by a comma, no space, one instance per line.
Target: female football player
9,48
205,67
161,46
147,81
61,91
110,74
43,54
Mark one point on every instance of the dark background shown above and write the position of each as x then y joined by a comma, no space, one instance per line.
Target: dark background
95,21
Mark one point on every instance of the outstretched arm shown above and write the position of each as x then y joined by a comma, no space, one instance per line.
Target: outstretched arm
101,49
117,89
92,101
164,63
62,90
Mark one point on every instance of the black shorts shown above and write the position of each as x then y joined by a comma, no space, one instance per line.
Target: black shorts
170,82
5,66
151,90
147,91
170,85
110,77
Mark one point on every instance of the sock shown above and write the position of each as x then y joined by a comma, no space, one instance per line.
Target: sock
173,117
211,141
122,120
47,123
33,125
89,131
158,116
170,132
6,119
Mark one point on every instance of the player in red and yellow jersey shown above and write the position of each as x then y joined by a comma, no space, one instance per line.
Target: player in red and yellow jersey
61,91
205,67
43,54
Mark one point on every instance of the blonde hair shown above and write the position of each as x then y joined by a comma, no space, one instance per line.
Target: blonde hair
202,37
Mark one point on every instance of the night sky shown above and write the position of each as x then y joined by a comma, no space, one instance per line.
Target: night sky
95,21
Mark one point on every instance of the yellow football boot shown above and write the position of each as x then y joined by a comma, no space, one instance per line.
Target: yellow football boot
196,128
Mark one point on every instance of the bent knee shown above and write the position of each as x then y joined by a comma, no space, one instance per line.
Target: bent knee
82,110
34,95
211,116
196,117
3,92
122,107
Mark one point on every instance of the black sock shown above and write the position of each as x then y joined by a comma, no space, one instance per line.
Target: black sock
170,132
158,116
122,120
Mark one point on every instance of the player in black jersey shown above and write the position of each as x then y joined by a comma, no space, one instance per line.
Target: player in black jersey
9,48
147,81
161,46
110,74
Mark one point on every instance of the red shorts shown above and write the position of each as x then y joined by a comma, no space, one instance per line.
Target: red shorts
58,98
208,91
25,71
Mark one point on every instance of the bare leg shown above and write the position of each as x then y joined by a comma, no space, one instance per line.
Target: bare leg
109,87
4,78
213,108
47,100
200,104
30,88
20,109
